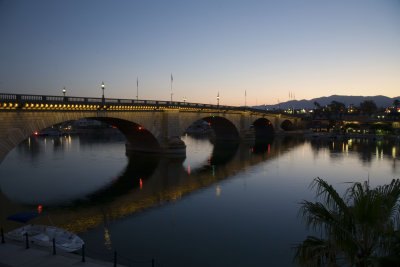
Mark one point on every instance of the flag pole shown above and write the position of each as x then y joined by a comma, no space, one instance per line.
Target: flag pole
172,79
137,88
245,98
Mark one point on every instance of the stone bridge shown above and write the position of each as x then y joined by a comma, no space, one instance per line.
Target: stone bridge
148,125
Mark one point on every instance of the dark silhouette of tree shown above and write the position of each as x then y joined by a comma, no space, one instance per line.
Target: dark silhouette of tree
396,103
317,108
360,229
368,107
336,107
335,110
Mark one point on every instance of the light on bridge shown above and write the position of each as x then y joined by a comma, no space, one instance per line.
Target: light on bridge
8,106
102,98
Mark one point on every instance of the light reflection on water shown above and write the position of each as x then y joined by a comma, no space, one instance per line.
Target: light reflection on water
237,206
39,173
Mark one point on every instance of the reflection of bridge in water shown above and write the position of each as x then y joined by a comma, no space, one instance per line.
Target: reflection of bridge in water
148,125
149,181
165,179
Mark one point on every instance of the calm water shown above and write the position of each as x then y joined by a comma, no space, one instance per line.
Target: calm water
221,206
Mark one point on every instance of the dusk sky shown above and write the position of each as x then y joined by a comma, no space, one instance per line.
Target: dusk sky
311,48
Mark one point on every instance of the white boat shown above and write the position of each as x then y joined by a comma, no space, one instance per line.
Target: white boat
43,235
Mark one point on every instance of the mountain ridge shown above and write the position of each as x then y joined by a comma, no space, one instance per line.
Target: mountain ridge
380,101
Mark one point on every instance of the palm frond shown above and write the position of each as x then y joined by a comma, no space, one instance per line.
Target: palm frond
363,226
328,194
314,251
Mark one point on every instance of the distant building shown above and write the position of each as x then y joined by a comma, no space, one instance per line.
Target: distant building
88,123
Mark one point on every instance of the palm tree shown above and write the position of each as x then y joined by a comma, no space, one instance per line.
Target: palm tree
396,103
360,229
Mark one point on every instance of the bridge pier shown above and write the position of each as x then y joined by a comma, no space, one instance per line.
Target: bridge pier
248,135
174,147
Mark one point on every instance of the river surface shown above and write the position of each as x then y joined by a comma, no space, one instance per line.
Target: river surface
224,205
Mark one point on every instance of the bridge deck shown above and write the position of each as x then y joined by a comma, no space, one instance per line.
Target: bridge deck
70,103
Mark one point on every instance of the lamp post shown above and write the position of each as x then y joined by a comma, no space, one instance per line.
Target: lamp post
218,100
102,88
64,91
184,100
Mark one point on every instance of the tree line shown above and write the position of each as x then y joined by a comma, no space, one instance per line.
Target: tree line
336,108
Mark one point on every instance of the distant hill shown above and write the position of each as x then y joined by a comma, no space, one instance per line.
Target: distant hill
380,101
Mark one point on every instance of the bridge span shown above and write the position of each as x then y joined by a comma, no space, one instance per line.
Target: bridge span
148,125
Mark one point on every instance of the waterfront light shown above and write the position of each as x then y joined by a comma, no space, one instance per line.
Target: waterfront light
64,91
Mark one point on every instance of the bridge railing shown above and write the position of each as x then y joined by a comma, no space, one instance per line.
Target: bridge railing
8,97
23,99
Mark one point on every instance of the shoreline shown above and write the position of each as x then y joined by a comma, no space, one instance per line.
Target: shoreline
14,253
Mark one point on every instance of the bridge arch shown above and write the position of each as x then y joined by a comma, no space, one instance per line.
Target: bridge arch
138,138
18,127
263,128
287,125
224,129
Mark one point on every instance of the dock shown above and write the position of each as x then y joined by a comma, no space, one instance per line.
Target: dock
13,254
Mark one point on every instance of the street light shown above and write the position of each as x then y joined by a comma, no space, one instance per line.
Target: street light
184,100
218,100
102,88
64,91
